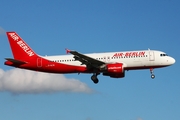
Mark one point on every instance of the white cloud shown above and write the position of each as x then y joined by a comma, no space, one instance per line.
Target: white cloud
19,81
2,31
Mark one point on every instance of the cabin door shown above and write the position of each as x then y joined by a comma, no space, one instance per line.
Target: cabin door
151,55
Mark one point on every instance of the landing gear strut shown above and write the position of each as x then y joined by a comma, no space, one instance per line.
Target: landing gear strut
152,74
94,78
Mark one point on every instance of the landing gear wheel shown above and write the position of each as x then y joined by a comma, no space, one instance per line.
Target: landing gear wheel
152,76
94,79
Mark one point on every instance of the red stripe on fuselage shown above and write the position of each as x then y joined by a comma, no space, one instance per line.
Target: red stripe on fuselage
144,67
50,67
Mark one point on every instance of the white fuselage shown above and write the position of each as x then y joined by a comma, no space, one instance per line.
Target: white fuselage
130,59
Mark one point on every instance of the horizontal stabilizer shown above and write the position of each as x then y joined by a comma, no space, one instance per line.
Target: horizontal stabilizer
15,61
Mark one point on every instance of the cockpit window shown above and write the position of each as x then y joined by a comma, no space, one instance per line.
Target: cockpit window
163,55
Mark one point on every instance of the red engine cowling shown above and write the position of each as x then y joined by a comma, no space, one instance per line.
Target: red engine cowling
115,70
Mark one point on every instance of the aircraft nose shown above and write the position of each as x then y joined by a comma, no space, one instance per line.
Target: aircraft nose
172,60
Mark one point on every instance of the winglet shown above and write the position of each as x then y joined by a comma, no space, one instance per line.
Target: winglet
67,51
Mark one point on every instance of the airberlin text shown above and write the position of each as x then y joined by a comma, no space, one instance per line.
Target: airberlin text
21,44
129,54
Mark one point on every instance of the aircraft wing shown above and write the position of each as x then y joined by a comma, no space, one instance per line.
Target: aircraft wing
86,60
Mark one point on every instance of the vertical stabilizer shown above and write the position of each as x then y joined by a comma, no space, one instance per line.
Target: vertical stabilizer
20,49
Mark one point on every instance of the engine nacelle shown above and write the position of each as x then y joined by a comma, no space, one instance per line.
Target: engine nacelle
115,70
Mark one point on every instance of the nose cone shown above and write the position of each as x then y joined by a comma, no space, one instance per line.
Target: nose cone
172,61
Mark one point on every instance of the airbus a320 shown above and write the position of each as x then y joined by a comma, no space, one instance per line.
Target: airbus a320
112,64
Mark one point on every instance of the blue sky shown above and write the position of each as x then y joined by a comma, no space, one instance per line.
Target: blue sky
91,26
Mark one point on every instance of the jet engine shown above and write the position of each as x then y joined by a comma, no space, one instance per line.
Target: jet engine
115,70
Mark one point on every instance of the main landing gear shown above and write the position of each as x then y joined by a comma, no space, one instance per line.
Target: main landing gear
94,78
152,74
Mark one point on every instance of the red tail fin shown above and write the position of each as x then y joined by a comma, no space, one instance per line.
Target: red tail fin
20,49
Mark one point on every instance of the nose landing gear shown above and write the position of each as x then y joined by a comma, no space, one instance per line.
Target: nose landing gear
152,74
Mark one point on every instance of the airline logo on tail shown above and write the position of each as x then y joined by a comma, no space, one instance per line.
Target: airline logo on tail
21,44
14,36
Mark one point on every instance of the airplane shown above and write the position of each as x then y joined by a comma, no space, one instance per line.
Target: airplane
112,64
